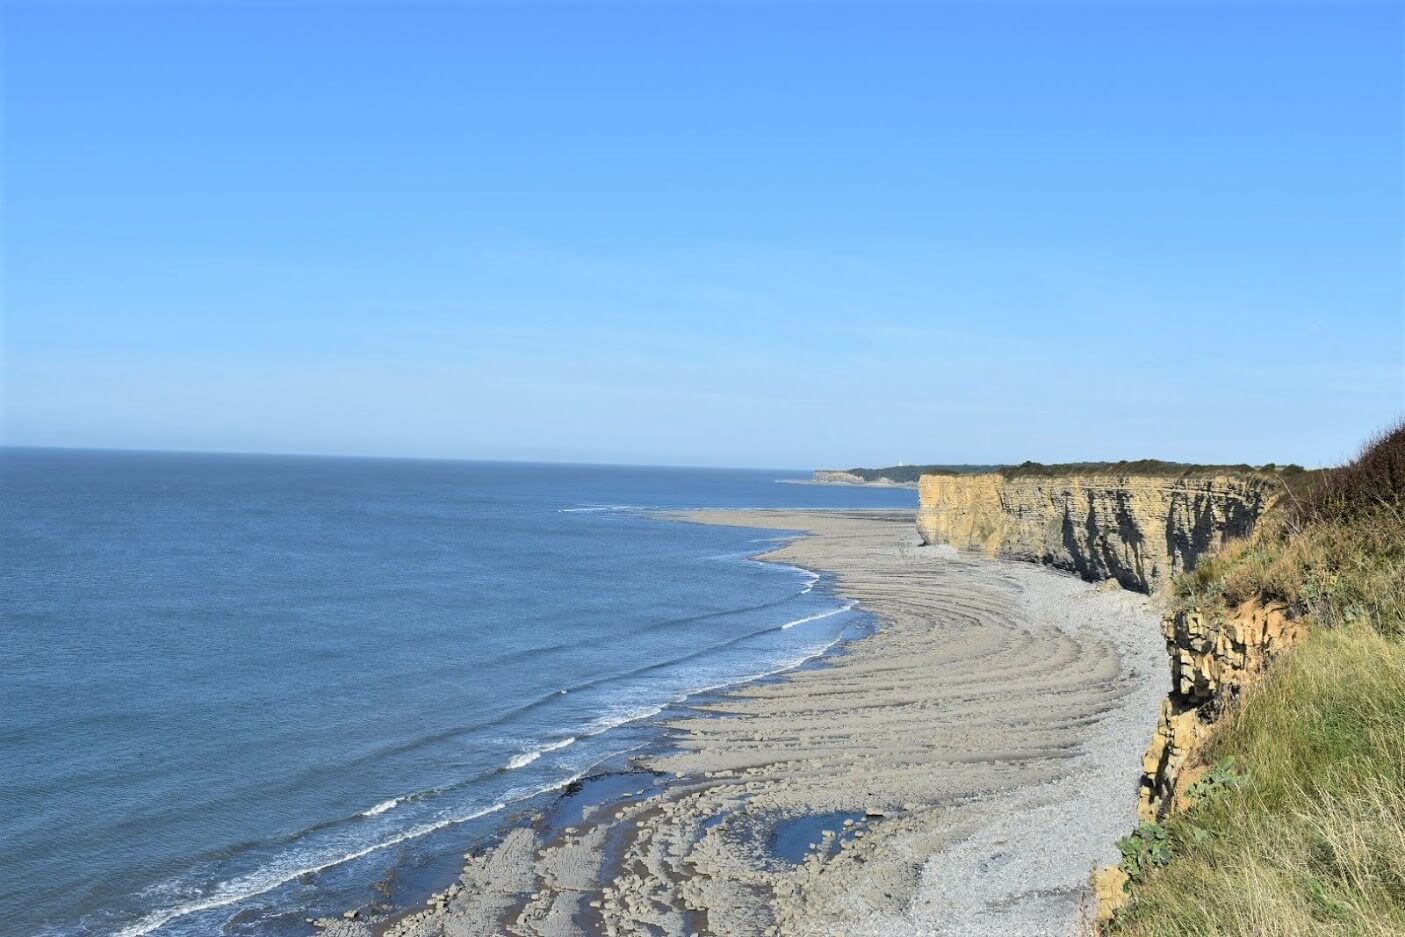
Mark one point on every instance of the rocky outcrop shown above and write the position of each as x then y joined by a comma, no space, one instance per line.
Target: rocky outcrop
1139,530
832,477
1215,656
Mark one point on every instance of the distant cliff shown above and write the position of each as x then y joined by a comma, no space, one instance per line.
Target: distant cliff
904,476
1138,529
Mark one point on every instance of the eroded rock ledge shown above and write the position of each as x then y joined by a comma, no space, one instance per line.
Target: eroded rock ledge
1139,530
1215,656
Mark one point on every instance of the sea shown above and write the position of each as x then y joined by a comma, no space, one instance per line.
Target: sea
241,691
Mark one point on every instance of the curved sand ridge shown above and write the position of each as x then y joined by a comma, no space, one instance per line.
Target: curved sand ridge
983,746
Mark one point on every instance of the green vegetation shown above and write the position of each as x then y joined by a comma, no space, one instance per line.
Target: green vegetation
1300,827
1220,779
1148,848
1292,475
1146,467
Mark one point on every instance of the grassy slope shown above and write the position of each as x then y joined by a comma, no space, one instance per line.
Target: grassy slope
1311,838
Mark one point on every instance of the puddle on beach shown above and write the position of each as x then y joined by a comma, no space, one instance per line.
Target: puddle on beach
793,838
581,798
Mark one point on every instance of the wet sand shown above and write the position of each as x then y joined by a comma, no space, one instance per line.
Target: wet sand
961,771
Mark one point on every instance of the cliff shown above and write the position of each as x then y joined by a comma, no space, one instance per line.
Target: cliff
833,477
1271,799
1215,656
1138,529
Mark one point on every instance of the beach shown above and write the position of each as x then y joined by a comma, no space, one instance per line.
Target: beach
961,770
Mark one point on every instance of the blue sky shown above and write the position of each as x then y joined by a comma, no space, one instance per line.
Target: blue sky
786,235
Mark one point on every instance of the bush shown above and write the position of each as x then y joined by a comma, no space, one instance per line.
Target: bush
1375,480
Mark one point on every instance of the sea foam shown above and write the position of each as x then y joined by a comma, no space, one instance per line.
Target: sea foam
526,758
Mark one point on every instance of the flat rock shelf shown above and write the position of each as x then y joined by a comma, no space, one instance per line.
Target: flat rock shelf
961,771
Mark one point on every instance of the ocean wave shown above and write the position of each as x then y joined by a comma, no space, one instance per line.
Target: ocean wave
382,807
598,508
526,758
267,879
623,717
790,665
829,614
615,720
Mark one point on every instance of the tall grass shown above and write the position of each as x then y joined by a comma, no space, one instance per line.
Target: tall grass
1376,477
1312,841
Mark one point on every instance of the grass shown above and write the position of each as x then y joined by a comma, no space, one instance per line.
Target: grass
1304,831
1333,573
1312,841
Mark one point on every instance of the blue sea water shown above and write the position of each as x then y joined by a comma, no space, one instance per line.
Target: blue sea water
238,691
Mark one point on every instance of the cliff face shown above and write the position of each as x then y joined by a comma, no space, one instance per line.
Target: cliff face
1214,657
833,477
1139,530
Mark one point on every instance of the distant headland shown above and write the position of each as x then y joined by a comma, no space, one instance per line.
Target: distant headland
906,476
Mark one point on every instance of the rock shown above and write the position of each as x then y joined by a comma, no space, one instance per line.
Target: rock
1137,529
1213,659
1109,893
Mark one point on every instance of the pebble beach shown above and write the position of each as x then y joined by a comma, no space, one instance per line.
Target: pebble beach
960,771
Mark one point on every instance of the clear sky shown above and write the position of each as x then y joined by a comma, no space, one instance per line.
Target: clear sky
787,235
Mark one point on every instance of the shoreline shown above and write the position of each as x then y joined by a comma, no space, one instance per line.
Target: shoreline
958,771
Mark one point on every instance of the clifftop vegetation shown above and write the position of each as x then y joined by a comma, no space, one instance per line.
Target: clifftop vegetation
1293,475
1146,467
1302,831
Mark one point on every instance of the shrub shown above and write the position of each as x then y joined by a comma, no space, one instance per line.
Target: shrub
1148,848
1375,480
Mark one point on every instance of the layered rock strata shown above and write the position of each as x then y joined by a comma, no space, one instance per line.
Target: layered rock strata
1139,530
1214,657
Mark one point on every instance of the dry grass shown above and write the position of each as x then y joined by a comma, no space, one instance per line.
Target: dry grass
1376,477
1336,554
1333,573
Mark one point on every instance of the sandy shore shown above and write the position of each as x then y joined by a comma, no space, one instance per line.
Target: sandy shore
959,772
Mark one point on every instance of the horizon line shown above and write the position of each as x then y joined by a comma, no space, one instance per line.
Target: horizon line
589,464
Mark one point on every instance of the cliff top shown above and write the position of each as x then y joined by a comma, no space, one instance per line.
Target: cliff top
1149,467
1156,467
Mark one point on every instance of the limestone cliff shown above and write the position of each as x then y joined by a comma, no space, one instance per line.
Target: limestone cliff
1215,655
1138,529
835,477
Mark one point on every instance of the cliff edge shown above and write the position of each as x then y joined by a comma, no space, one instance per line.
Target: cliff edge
1138,529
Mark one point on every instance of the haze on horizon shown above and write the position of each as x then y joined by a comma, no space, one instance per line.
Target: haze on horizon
745,235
